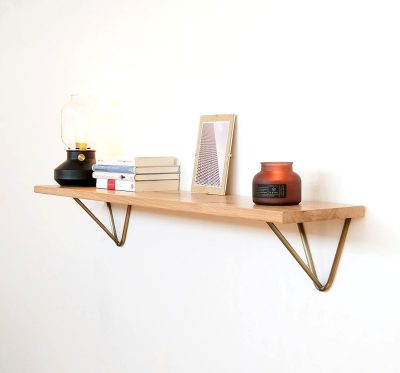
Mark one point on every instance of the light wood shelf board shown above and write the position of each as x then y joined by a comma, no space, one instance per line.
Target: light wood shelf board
230,206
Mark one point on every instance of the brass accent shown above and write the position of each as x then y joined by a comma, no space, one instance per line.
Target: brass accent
113,235
310,268
81,145
81,157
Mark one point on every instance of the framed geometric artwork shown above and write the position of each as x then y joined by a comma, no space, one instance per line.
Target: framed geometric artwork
213,153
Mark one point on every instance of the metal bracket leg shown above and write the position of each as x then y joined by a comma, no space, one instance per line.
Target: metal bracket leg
113,235
310,268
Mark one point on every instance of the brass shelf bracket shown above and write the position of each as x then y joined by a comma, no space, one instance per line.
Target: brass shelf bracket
309,268
113,235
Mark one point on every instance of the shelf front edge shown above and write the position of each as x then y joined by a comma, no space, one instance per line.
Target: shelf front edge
334,213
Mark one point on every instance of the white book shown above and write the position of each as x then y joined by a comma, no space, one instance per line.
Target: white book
113,175
138,161
138,186
112,184
115,161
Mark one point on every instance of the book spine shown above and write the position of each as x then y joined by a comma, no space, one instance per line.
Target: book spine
157,170
155,161
157,186
112,184
157,177
113,175
114,168
115,162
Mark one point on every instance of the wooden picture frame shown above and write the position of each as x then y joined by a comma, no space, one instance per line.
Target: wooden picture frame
213,153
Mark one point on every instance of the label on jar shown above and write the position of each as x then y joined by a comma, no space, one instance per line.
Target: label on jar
269,190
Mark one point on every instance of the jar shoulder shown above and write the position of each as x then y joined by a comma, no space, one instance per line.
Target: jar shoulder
263,176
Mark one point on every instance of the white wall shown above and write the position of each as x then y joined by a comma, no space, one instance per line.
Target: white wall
314,82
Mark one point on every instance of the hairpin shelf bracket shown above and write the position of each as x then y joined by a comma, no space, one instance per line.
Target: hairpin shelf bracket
309,268
113,235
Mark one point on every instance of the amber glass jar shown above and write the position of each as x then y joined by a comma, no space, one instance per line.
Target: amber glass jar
276,184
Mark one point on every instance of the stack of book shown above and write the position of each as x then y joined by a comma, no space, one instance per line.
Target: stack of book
143,174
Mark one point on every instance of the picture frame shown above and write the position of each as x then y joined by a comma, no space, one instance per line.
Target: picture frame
213,153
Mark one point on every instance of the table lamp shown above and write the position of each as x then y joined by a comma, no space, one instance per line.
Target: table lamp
77,135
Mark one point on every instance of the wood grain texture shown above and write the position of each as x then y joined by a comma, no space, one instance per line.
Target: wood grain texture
230,206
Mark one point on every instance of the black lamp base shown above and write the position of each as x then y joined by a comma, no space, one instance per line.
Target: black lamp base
77,169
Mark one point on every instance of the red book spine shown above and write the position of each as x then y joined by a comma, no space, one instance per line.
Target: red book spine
111,184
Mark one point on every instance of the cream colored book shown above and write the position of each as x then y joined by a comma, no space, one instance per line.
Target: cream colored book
156,185
157,170
155,161
157,177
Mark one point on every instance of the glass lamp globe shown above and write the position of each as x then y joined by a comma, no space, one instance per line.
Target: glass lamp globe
76,123
77,132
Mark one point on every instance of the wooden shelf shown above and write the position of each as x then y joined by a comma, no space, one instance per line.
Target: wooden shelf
238,207
225,206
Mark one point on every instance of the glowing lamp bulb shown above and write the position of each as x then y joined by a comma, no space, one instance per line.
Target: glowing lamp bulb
76,124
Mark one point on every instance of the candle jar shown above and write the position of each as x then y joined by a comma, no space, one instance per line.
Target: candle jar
276,184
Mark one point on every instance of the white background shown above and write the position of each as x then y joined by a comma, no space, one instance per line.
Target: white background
313,82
